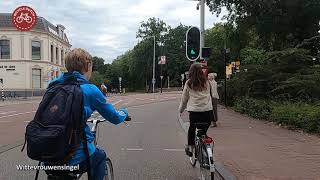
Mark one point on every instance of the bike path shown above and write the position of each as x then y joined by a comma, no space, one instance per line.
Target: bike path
151,147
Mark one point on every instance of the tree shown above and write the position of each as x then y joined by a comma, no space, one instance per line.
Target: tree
153,27
98,63
279,23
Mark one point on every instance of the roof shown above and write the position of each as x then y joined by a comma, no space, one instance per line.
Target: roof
41,25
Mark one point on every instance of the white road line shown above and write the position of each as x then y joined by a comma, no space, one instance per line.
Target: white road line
5,121
140,99
26,121
134,149
137,122
117,102
8,112
17,114
174,150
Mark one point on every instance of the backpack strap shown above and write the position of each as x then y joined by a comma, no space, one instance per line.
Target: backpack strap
86,150
37,172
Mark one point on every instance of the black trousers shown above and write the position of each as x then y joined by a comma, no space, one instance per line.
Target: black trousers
198,117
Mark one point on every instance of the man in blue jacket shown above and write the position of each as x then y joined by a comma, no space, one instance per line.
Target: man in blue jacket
79,65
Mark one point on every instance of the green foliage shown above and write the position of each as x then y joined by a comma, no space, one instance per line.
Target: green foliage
287,75
96,79
252,56
253,107
97,64
279,24
293,115
298,115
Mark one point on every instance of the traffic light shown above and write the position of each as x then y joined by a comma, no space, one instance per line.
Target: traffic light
193,43
206,52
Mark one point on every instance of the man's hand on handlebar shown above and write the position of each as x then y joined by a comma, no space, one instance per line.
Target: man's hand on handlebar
128,118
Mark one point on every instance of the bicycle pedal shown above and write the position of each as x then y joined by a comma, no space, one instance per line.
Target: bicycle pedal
188,153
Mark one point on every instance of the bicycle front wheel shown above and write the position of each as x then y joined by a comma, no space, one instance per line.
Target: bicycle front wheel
109,170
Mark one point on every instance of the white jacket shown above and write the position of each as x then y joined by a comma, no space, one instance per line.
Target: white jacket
198,101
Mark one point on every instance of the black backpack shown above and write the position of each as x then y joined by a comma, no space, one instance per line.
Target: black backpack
58,126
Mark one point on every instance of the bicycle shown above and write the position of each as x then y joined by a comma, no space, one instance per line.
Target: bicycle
76,175
24,17
203,152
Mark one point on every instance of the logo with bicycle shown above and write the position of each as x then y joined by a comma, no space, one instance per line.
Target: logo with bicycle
24,18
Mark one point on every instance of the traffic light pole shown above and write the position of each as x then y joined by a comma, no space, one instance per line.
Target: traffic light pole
202,20
154,63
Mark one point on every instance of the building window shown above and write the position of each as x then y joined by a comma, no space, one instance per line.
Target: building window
62,58
51,50
57,55
4,49
36,50
36,78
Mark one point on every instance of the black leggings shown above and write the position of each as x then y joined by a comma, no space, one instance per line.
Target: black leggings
198,117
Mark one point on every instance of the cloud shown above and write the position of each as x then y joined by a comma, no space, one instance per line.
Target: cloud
108,28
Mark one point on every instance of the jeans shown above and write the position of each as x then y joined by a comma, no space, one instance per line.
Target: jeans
198,117
97,164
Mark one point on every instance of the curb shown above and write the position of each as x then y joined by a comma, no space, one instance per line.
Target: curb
223,172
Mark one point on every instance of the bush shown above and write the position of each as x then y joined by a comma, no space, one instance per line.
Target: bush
253,107
298,115
252,56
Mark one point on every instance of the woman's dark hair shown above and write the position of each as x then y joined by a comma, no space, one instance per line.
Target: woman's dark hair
197,79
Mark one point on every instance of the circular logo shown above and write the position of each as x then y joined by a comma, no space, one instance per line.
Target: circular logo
24,18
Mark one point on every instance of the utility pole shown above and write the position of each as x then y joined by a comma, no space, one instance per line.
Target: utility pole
161,77
225,67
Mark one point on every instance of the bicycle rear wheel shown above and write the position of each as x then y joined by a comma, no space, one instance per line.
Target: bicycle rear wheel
109,170
205,165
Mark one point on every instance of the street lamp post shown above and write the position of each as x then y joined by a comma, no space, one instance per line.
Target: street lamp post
154,62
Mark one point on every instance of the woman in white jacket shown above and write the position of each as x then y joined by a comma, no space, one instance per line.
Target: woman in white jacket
197,100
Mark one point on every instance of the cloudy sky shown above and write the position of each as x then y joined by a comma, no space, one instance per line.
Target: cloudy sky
107,28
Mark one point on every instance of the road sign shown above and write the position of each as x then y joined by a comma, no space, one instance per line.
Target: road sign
162,60
193,43
161,77
120,79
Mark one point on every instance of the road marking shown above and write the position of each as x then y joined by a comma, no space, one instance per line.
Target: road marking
8,112
134,149
16,114
117,102
174,150
5,121
140,99
138,122
26,121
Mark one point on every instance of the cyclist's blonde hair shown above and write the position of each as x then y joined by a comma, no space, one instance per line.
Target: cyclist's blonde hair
76,59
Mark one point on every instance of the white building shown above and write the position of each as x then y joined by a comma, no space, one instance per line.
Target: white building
30,59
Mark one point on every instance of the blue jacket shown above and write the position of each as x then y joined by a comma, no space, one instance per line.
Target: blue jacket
94,100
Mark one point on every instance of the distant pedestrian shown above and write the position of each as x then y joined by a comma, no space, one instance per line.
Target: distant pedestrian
103,89
215,97
198,102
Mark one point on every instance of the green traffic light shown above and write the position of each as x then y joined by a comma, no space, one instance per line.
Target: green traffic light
193,52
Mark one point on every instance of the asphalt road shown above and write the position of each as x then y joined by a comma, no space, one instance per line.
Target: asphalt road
151,147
